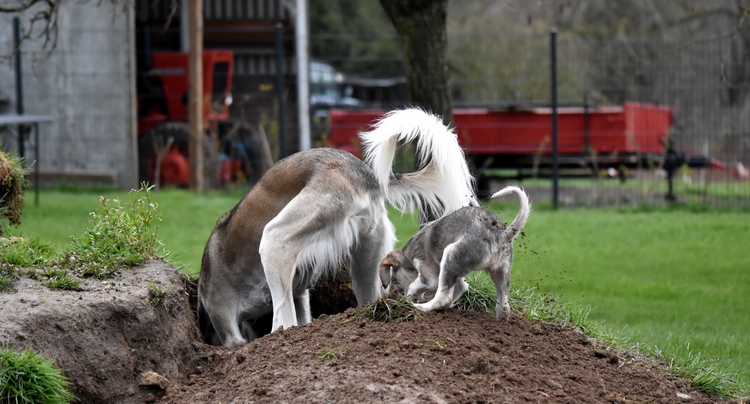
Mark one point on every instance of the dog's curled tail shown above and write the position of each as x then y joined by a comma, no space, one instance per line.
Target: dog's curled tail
442,185
512,231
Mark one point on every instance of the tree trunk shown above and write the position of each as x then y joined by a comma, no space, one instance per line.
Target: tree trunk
421,25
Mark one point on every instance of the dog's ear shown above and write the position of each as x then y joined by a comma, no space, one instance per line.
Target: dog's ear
385,270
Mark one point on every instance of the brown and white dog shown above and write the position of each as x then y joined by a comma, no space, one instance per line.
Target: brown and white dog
438,258
315,212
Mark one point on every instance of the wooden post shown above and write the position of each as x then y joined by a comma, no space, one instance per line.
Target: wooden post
195,94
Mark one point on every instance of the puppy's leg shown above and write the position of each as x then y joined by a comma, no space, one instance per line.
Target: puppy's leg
501,278
461,287
373,246
456,262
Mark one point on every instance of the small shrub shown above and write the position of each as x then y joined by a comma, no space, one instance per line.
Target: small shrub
118,237
26,377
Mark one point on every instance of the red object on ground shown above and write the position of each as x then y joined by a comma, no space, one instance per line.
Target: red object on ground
632,128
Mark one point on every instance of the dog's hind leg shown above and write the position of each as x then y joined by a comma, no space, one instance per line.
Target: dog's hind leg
501,278
279,267
456,258
373,246
311,234
302,307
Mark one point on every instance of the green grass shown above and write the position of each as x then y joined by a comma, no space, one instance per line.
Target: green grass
26,377
117,237
672,281
186,219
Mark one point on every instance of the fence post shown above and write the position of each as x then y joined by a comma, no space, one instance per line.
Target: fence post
195,95
19,83
279,34
553,92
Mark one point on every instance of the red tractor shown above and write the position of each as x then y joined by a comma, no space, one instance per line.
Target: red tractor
162,119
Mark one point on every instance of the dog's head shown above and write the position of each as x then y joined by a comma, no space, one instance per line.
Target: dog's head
415,285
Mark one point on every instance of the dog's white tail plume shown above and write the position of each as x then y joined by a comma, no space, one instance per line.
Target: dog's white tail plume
511,232
444,183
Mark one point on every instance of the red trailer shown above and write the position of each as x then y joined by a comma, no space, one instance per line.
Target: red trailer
632,128
589,139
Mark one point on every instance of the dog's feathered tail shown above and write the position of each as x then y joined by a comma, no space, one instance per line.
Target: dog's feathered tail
442,185
512,231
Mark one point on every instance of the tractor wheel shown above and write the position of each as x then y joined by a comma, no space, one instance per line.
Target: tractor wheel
175,169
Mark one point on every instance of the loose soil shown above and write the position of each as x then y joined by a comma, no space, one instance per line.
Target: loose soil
116,346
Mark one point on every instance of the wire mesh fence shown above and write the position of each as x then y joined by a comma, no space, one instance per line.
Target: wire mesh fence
635,111
695,151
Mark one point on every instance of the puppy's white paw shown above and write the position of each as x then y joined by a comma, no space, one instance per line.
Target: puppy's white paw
502,313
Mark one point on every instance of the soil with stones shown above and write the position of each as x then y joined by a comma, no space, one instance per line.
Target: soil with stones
116,346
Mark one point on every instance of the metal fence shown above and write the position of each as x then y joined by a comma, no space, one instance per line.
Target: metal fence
702,82
89,83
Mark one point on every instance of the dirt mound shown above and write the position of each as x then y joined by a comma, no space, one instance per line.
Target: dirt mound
109,336
109,333
449,357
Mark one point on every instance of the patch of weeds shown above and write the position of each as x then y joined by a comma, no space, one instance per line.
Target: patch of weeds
55,277
329,355
27,252
388,309
118,237
157,295
64,282
26,377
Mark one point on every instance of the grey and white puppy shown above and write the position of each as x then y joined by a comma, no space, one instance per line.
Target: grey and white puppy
438,258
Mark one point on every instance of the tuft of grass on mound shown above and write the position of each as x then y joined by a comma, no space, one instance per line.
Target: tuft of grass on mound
26,377
704,374
388,309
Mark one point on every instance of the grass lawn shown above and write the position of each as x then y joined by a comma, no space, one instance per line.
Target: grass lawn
672,280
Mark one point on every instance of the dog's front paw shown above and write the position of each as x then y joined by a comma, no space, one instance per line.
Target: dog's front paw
422,306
